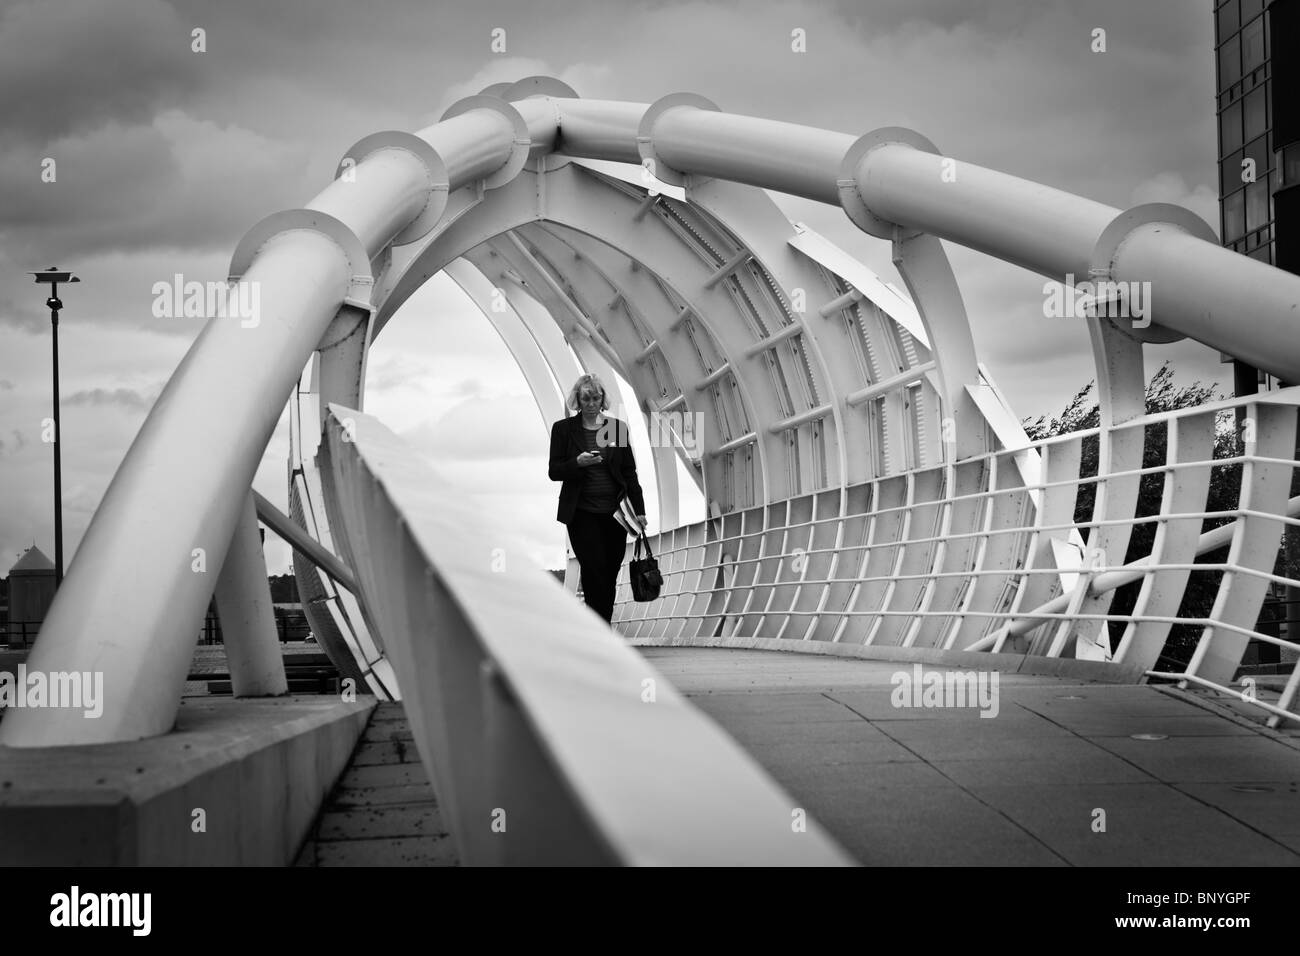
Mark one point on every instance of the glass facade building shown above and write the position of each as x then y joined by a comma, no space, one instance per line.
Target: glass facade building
1259,142
1257,65
1257,62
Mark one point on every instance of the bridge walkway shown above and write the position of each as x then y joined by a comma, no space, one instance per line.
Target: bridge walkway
382,811
1067,773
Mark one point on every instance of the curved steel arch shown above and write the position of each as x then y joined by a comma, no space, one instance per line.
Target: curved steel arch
323,270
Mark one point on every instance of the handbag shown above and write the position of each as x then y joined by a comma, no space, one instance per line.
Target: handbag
643,573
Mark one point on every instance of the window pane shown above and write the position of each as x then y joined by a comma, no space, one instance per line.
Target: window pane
1230,174
1258,151
1256,205
1228,19
1262,253
1234,216
1256,114
1252,45
1291,165
1230,128
1251,8
1230,62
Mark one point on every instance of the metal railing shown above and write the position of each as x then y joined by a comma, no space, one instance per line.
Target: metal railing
19,633
286,629
971,557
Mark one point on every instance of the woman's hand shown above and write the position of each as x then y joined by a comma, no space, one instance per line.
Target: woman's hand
589,458
641,520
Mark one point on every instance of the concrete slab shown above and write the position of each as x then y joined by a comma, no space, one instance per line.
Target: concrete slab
390,751
1268,807
388,711
805,780
1010,724
1145,825
786,706
1043,765
1019,788
257,769
386,731
815,750
1217,703
937,825
384,775
383,812
1008,664
417,851
394,820
756,730
346,797
936,743
1209,759
1171,725
1146,702
877,705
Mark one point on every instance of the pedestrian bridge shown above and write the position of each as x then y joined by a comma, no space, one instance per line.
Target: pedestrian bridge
870,495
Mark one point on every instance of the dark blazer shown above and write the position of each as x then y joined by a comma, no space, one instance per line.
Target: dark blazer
567,445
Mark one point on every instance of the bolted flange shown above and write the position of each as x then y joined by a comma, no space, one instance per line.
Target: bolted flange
645,133
855,207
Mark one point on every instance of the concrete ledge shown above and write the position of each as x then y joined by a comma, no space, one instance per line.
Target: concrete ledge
259,769
1069,668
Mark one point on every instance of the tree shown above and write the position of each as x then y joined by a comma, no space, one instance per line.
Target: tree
284,588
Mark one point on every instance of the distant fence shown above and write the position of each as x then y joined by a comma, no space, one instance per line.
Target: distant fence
289,627
19,633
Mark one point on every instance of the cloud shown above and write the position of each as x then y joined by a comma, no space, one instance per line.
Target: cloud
68,65
498,429
1170,186
498,69
14,445
164,185
122,397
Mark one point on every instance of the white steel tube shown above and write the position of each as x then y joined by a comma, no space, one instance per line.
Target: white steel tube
800,160
592,129
133,600
382,193
474,145
253,652
303,544
1230,302
1043,229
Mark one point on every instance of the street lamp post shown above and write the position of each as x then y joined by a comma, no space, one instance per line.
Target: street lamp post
52,277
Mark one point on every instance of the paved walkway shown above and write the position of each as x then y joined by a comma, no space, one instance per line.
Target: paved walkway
1065,774
382,811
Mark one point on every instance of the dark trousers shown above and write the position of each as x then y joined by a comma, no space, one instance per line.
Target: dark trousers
599,543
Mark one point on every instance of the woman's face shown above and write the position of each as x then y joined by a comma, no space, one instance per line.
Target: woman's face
590,400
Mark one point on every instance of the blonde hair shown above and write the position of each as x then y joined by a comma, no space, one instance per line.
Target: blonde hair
591,382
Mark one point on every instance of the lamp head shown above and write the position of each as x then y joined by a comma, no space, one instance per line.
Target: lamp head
52,276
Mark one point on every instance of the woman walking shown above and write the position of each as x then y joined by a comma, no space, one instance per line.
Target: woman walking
592,455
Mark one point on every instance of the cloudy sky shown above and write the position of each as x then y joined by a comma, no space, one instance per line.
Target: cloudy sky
165,156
